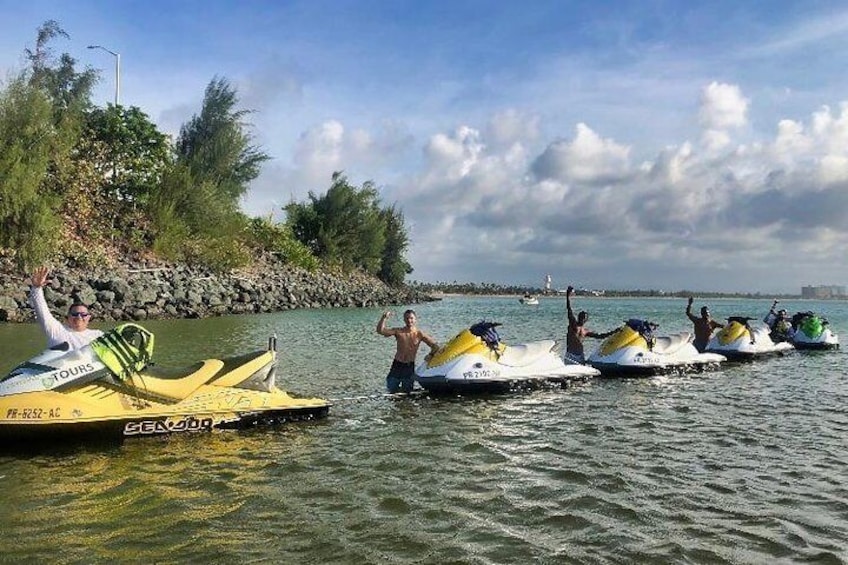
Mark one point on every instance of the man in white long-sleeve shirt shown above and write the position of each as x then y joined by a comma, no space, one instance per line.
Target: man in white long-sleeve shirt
75,332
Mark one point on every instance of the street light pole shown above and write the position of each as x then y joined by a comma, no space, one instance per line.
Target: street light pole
117,70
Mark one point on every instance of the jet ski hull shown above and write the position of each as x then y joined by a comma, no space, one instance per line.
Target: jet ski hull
116,430
815,345
623,370
441,384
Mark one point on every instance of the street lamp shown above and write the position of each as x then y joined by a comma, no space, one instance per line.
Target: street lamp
117,70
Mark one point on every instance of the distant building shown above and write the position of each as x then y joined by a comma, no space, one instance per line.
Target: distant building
823,291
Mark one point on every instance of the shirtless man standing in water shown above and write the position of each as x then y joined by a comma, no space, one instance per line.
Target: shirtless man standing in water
401,376
577,330
703,326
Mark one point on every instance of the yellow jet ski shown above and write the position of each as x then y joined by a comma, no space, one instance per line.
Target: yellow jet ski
110,389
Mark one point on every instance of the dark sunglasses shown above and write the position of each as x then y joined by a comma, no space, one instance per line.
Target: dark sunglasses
78,314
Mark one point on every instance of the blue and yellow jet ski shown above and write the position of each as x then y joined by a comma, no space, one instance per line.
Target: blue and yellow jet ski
111,390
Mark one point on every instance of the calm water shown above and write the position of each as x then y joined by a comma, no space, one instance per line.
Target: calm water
748,464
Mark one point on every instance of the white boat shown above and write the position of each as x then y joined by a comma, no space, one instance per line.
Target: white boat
476,360
529,300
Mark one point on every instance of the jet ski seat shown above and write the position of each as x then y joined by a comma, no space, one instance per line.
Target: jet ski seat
177,384
525,354
671,343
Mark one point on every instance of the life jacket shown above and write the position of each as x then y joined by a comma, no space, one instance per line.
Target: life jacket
782,326
125,349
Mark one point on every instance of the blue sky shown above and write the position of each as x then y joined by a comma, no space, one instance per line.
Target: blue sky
669,145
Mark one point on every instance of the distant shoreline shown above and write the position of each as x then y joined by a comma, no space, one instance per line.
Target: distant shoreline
710,296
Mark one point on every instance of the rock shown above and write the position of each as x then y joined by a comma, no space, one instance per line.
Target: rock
149,291
105,297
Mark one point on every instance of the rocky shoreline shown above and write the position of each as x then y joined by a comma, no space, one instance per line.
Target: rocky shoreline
146,291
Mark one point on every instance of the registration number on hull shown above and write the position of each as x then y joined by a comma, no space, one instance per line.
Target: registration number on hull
32,413
481,374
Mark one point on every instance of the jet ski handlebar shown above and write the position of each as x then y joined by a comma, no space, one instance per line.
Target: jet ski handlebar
638,324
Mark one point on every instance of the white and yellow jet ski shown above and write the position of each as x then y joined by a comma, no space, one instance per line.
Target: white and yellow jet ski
738,341
110,389
476,360
634,351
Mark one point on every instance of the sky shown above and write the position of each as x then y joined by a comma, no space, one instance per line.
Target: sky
614,145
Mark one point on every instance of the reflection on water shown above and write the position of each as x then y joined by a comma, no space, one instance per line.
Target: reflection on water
747,464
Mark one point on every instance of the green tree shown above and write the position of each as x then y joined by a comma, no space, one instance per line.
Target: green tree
346,226
69,89
216,145
279,240
195,209
167,207
193,223
393,264
27,144
137,153
42,115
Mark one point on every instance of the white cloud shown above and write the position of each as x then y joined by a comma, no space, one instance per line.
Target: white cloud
512,126
833,169
715,139
320,151
803,33
588,158
705,212
455,154
723,107
791,141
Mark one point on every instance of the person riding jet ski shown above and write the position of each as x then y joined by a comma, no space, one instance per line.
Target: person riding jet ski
780,327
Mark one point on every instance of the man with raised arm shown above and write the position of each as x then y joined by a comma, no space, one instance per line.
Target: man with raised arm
703,326
75,331
577,330
401,376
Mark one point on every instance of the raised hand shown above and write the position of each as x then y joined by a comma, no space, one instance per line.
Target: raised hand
39,276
